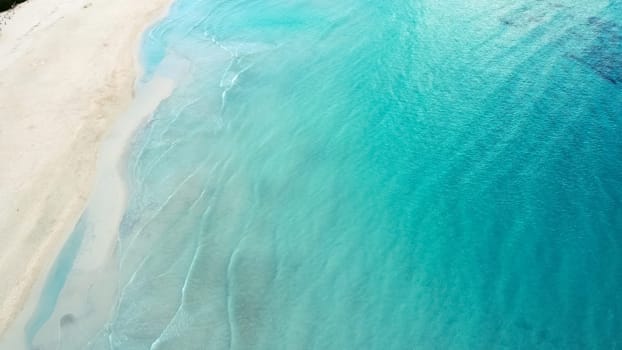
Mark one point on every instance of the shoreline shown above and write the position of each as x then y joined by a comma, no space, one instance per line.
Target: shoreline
71,287
52,138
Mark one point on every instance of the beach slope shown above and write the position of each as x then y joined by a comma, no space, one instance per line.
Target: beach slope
67,69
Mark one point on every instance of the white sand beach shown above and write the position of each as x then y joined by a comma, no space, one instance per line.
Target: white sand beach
67,70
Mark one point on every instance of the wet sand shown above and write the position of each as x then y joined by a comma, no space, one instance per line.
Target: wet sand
66,72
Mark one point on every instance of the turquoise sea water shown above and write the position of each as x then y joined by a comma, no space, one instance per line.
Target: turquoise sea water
377,175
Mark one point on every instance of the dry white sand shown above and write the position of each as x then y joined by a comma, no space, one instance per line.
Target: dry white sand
67,69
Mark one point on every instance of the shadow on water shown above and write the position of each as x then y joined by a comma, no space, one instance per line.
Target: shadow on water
599,39
604,54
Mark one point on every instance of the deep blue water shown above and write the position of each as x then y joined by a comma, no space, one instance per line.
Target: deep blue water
378,175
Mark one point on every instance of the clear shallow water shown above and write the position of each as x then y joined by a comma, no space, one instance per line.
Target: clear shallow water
377,176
